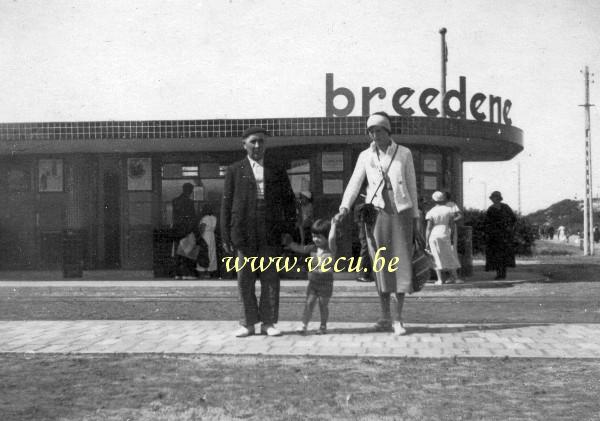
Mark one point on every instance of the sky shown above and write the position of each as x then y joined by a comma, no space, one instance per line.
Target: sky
140,60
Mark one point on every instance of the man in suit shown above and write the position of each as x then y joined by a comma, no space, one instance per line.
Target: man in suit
258,207
184,222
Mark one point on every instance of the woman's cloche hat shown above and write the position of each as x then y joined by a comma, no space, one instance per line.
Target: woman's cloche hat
438,196
379,120
496,194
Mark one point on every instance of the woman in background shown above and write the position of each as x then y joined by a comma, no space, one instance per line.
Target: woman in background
499,228
440,220
207,226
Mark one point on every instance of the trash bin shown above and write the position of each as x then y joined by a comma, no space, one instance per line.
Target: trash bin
163,263
465,250
72,259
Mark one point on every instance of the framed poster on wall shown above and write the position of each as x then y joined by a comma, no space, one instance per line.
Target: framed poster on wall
333,186
139,174
332,162
430,182
50,175
430,165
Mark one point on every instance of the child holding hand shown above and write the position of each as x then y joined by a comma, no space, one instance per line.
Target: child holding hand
320,282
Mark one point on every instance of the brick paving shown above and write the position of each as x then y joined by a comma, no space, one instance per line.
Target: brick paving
344,339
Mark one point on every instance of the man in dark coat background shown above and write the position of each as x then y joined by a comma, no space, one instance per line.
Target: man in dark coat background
258,207
185,221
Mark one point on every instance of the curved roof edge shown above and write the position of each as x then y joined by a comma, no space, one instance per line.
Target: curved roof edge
476,140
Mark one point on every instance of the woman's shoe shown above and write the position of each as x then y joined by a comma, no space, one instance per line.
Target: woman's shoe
399,329
301,329
383,326
438,282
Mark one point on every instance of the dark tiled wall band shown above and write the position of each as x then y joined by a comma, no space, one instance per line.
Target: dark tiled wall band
317,126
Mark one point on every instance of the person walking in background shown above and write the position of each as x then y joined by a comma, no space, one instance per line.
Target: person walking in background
499,229
207,226
596,234
258,207
440,220
184,224
560,233
305,216
320,281
392,189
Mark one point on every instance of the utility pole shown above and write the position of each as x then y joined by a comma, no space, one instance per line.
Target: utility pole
444,61
519,184
588,203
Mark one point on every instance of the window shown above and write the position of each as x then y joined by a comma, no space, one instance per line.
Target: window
299,173
50,175
207,178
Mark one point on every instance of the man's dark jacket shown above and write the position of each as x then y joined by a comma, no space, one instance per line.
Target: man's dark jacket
184,216
238,216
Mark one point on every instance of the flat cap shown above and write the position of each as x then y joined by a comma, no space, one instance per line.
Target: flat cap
253,130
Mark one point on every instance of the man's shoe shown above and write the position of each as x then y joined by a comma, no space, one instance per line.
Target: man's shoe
363,279
399,329
322,330
244,332
438,282
270,330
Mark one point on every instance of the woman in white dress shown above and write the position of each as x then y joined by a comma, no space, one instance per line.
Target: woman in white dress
207,226
440,220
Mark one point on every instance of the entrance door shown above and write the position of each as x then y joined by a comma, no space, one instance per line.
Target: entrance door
17,216
112,221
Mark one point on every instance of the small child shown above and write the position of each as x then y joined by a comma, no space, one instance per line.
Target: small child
320,283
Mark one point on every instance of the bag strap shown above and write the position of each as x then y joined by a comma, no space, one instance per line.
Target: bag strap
384,173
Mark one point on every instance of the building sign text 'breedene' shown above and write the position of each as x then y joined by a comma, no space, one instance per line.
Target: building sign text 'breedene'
498,111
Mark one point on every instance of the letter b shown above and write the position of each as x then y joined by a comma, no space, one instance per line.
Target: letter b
330,94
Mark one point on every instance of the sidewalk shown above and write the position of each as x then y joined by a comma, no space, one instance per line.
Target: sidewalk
515,340
343,339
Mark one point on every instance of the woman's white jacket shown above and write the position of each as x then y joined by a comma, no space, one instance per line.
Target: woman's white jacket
401,174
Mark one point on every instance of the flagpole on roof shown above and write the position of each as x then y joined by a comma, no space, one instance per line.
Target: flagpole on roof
444,61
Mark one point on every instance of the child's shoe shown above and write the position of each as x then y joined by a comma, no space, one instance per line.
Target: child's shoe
301,329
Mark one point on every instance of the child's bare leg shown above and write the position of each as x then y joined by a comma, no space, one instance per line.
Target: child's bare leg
324,309
311,301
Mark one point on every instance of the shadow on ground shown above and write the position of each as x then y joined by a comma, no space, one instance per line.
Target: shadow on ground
438,329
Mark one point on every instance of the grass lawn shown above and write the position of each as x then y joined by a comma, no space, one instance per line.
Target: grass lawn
181,388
